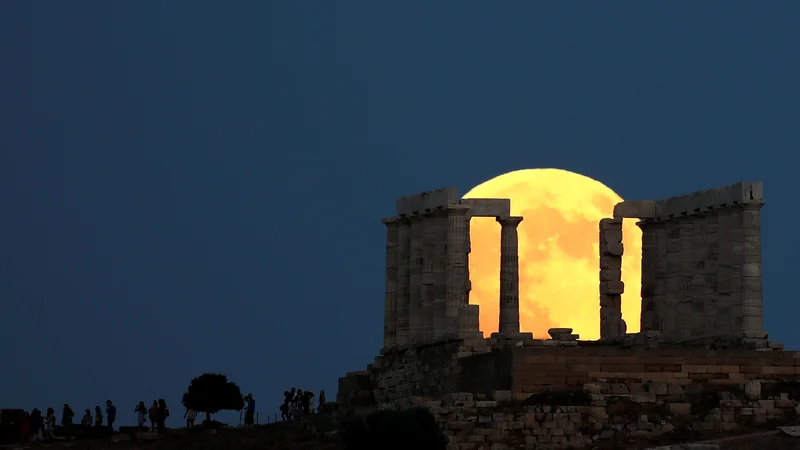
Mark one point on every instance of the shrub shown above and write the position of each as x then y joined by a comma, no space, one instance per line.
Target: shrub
413,428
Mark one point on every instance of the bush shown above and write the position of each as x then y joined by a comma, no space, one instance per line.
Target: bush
414,429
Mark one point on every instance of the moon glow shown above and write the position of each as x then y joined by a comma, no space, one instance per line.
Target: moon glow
558,252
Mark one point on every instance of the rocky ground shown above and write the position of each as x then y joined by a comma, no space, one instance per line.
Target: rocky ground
291,436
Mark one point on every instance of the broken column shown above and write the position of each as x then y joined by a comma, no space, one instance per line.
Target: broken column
403,288
611,285
389,303
457,282
509,275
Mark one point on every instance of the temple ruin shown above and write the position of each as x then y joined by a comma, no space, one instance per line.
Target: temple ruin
701,320
427,270
701,264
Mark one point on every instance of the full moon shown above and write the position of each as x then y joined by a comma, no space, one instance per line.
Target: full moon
558,252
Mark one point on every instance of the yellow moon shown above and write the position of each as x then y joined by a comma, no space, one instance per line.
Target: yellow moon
558,252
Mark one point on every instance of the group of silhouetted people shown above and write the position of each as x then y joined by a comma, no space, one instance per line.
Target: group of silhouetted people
297,403
157,414
36,427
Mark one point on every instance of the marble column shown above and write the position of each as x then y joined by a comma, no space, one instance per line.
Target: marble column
649,316
457,279
402,252
752,303
428,277
509,275
415,278
611,285
390,301
439,313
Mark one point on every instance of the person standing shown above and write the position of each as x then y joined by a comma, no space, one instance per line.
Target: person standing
250,411
141,414
111,415
98,417
321,400
50,424
66,420
190,415
86,421
153,413
25,429
163,413
37,425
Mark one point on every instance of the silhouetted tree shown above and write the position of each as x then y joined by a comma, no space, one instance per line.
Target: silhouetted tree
212,392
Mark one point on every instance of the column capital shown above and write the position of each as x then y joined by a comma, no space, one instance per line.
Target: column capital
458,209
391,221
511,221
753,206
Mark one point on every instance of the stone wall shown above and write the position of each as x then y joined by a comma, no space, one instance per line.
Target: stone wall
701,262
611,415
542,369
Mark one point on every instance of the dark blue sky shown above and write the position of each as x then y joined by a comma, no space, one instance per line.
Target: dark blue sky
192,186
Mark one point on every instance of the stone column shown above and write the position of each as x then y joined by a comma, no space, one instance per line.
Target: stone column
402,339
753,318
428,277
457,279
439,319
415,278
649,319
611,285
390,301
509,275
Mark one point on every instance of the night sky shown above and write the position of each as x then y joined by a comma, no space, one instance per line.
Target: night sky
190,186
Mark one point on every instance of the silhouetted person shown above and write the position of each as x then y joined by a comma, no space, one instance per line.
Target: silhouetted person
163,413
66,420
287,397
37,424
322,400
190,415
141,414
25,429
310,396
98,417
111,415
297,403
50,424
250,410
153,412
86,421
304,402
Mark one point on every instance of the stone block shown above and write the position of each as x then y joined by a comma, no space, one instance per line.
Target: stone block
610,262
635,209
742,193
426,201
680,409
610,224
610,274
555,332
487,207
612,287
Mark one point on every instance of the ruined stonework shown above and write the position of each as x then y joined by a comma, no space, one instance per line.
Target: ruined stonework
701,262
701,330
427,270
611,285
